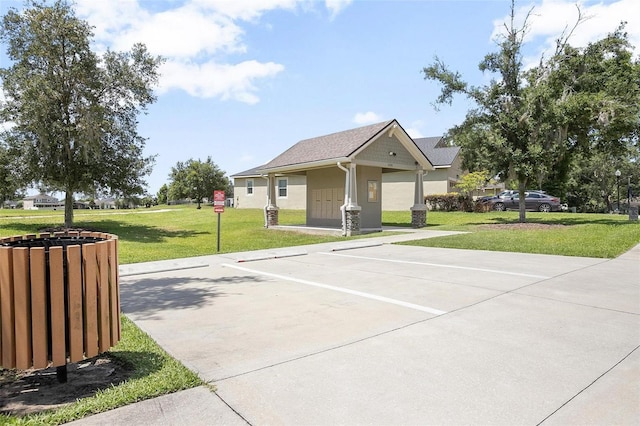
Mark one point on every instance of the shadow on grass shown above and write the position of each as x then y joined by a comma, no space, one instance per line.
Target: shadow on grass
146,297
124,231
32,391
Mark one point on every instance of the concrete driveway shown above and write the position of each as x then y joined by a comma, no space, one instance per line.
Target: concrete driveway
365,333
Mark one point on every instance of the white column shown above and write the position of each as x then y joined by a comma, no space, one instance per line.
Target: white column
272,192
418,192
353,186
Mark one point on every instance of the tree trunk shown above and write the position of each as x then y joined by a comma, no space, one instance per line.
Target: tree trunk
521,202
68,209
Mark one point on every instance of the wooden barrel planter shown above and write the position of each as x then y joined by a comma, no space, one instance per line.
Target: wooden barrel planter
59,299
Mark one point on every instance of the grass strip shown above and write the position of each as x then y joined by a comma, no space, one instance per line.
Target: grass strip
154,373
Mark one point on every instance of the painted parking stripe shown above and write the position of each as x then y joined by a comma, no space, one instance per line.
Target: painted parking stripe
340,289
438,265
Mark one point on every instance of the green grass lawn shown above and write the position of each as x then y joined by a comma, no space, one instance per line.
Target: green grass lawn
170,233
183,231
588,235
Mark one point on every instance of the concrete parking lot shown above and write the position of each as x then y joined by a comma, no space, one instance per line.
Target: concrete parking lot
373,333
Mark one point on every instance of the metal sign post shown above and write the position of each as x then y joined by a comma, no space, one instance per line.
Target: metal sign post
218,207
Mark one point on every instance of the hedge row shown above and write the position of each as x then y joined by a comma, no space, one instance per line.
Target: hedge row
452,202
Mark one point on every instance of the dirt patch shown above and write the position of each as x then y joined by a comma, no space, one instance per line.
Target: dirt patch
32,391
522,226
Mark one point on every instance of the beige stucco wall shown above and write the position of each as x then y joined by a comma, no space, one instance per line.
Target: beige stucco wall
295,199
398,188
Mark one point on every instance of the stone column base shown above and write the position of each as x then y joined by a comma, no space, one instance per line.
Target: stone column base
272,216
353,222
418,216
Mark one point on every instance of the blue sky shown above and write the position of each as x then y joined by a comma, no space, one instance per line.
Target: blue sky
245,79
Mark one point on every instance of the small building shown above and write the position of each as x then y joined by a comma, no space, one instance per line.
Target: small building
337,178
105,203
397,187
41,202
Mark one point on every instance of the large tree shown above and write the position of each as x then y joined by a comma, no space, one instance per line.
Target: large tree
74,112
196,180
530,123
10,175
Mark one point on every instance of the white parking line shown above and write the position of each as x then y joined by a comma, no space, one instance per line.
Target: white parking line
439,265
341,289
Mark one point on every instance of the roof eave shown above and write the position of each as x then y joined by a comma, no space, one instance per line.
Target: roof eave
306,166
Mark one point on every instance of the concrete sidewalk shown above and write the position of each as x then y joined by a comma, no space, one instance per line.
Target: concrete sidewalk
507,338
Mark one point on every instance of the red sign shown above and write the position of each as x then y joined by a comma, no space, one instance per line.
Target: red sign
218,201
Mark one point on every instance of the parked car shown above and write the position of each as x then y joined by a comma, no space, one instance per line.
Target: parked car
534,200
505,193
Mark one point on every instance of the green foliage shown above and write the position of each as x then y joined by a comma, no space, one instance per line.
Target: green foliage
74,112
470,182
529,126
445,202
162,194
196,180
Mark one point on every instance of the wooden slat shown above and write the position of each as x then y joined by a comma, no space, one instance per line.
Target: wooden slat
117,274
58,317
22,298
90,300
76,311
7,309
30,236
104,332
113,293
39,311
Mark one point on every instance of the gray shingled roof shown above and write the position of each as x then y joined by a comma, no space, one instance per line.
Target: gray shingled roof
251,172
438,156
335,145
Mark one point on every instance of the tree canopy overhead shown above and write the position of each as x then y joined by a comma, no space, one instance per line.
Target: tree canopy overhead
74,112
530,124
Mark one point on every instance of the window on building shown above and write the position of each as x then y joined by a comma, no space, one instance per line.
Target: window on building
282,188
249,186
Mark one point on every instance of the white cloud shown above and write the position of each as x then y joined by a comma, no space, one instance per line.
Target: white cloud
186,32
366,118
551,17
336,6
193,36
247,10
217,80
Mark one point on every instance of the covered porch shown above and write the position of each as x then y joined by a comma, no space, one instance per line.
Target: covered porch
344,177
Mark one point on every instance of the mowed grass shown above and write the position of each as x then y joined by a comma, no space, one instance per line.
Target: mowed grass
184,231
587,235
170,233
